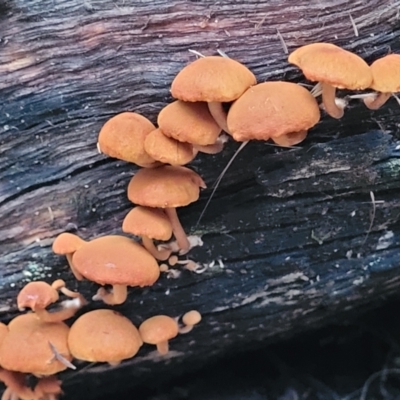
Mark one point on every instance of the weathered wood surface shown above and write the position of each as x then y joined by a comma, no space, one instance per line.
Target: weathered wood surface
290,228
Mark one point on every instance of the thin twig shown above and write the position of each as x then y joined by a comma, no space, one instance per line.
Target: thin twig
371,193
197,53
283,43
353,24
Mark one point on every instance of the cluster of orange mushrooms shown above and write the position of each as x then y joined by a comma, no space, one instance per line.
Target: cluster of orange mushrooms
214,94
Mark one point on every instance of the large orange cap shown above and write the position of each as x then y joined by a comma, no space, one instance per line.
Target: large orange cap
26,347
103,336
168,150
36,295
150,222
123,137
212,79
272,109
326,62
189,122
166,186
386,74
116,260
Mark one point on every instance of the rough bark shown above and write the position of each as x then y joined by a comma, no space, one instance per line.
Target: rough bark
301,241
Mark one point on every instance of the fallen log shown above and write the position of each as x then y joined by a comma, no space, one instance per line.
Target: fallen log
305,236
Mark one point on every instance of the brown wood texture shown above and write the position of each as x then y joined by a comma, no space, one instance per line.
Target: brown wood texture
289,225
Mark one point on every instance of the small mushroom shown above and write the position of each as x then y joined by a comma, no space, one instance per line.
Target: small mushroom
167,187
103,336
386,80
334,68
149,223
117,261
281,111
123,137
190,319
214,80
158,330
38,295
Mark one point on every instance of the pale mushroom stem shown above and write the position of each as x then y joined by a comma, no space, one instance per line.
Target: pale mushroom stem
290,139
328,99
161,254
77,275
215,148
48,388
377,101
177,229
163,347
56,316
16,386
218,113
118,295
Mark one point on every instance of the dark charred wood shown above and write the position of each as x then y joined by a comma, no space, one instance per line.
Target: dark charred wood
307,236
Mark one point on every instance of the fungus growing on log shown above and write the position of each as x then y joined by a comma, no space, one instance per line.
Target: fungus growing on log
158,330
103,336
167,187
281,111
333,67
214,80
117,261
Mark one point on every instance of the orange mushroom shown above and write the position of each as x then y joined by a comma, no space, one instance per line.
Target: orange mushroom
281,111
386,80
214,80
117,261
167,187
189,320
334,68
123,137
149,223
38,295
103,336
158,330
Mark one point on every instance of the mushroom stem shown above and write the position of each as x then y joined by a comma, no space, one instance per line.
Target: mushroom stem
218,113
377,101
177,229
214,148
163,347
16,386
118,295
77,275
290,139
48,387
161,254
56,316
328,99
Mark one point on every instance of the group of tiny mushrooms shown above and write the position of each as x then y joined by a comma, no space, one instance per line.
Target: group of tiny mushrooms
39,342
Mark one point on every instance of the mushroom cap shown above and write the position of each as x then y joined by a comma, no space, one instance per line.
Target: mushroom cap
3,332
157,329
192,317
168,150
166,186
116,260
66,243
212,78
150,222
103,336
272,109
189,122
123,135
386,74
26,346
36,295
325,62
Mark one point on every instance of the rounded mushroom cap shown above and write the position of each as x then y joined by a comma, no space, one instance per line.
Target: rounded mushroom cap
3,332
26,347
166,186
66,243
386,74
157,329
150,222
192,317
123,135
325,62
116,260
212,78
189,122
272,109
168,150
103,336
36,295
